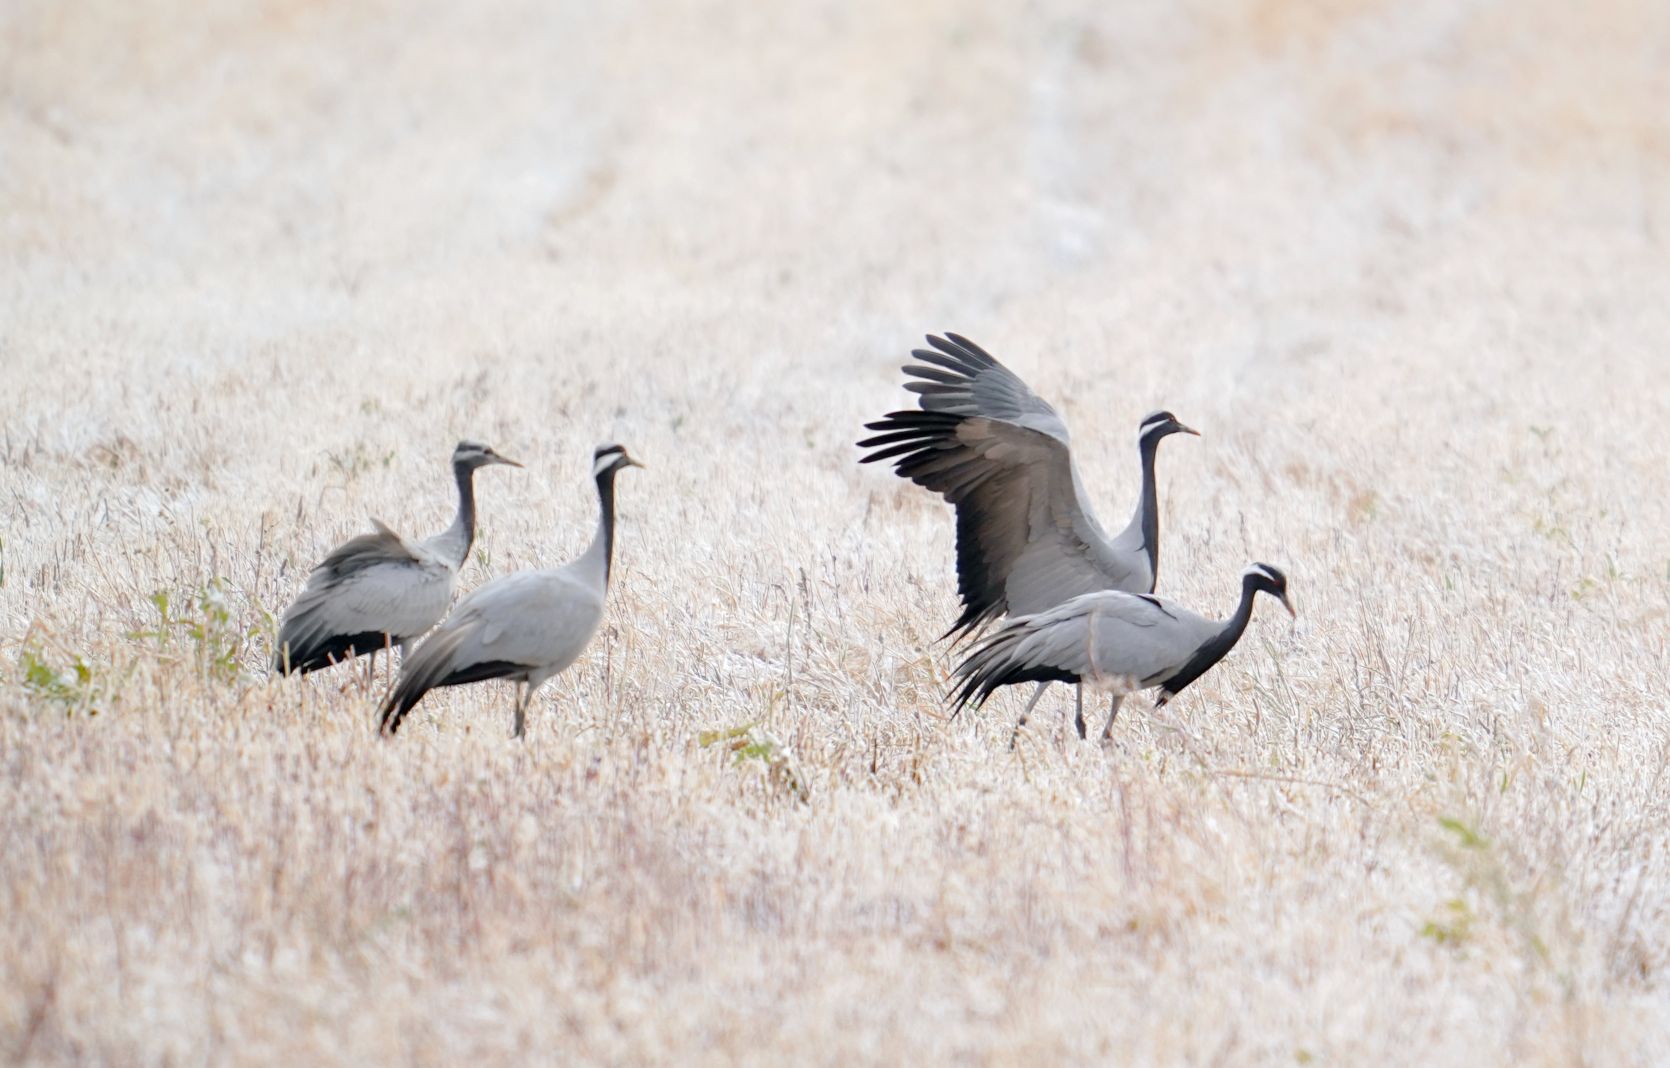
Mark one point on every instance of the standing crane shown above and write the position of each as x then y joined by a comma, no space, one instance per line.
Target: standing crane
526,626
379,590
1122,642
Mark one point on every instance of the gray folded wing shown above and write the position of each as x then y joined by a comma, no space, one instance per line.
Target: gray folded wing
372,584
1112,636
541,620
382,546
528,625
1119,640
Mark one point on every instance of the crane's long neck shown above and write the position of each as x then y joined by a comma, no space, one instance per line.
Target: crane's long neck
1147,517
458,538
599,556
1216,647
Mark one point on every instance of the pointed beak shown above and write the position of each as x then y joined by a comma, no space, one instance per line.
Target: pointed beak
630,462
1287,604
1181,429
507,461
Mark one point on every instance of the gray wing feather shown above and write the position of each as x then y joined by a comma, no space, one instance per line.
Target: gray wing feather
542,619
372,583
1143,638
1121,640
531,624
383,546
977,385
1026,539
1039,542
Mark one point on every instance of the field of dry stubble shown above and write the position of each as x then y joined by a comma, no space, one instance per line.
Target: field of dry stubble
1404,265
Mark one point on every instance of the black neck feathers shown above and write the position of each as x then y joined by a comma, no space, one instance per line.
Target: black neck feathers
1148,447
1217,646
606,501
464,475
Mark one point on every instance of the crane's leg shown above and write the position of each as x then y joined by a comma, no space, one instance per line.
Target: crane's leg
522,696
1113,714
1025,712
1078,711
394,671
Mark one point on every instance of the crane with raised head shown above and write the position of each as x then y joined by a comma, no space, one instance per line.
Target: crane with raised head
526,626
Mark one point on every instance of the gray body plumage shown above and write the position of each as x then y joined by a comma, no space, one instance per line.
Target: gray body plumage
525,627
1114,641
1110,640
379,589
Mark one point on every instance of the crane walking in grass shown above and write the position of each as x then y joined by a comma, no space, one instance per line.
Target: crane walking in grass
379,590
1027,540
526,626
1121,642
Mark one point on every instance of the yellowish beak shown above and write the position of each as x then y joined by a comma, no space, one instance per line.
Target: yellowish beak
1287,604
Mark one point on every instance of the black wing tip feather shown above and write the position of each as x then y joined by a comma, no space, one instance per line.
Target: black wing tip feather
327,652
413,689
917,417
967,625
981,672
410,690
889,453
992,665
985,671
913,437
393,711
417,678
918,429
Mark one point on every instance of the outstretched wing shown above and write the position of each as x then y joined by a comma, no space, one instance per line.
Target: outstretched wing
996,451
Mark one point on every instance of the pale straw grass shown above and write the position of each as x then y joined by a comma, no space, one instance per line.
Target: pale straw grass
1403,265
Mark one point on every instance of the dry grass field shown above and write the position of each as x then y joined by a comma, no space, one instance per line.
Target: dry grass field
1407,266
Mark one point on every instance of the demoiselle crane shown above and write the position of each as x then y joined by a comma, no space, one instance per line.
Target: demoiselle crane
379,589
525,626
1027,539
1121,642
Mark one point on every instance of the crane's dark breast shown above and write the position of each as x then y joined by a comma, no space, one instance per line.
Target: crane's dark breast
1204,658
491,669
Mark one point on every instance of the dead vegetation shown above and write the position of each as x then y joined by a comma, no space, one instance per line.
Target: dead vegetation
269,261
